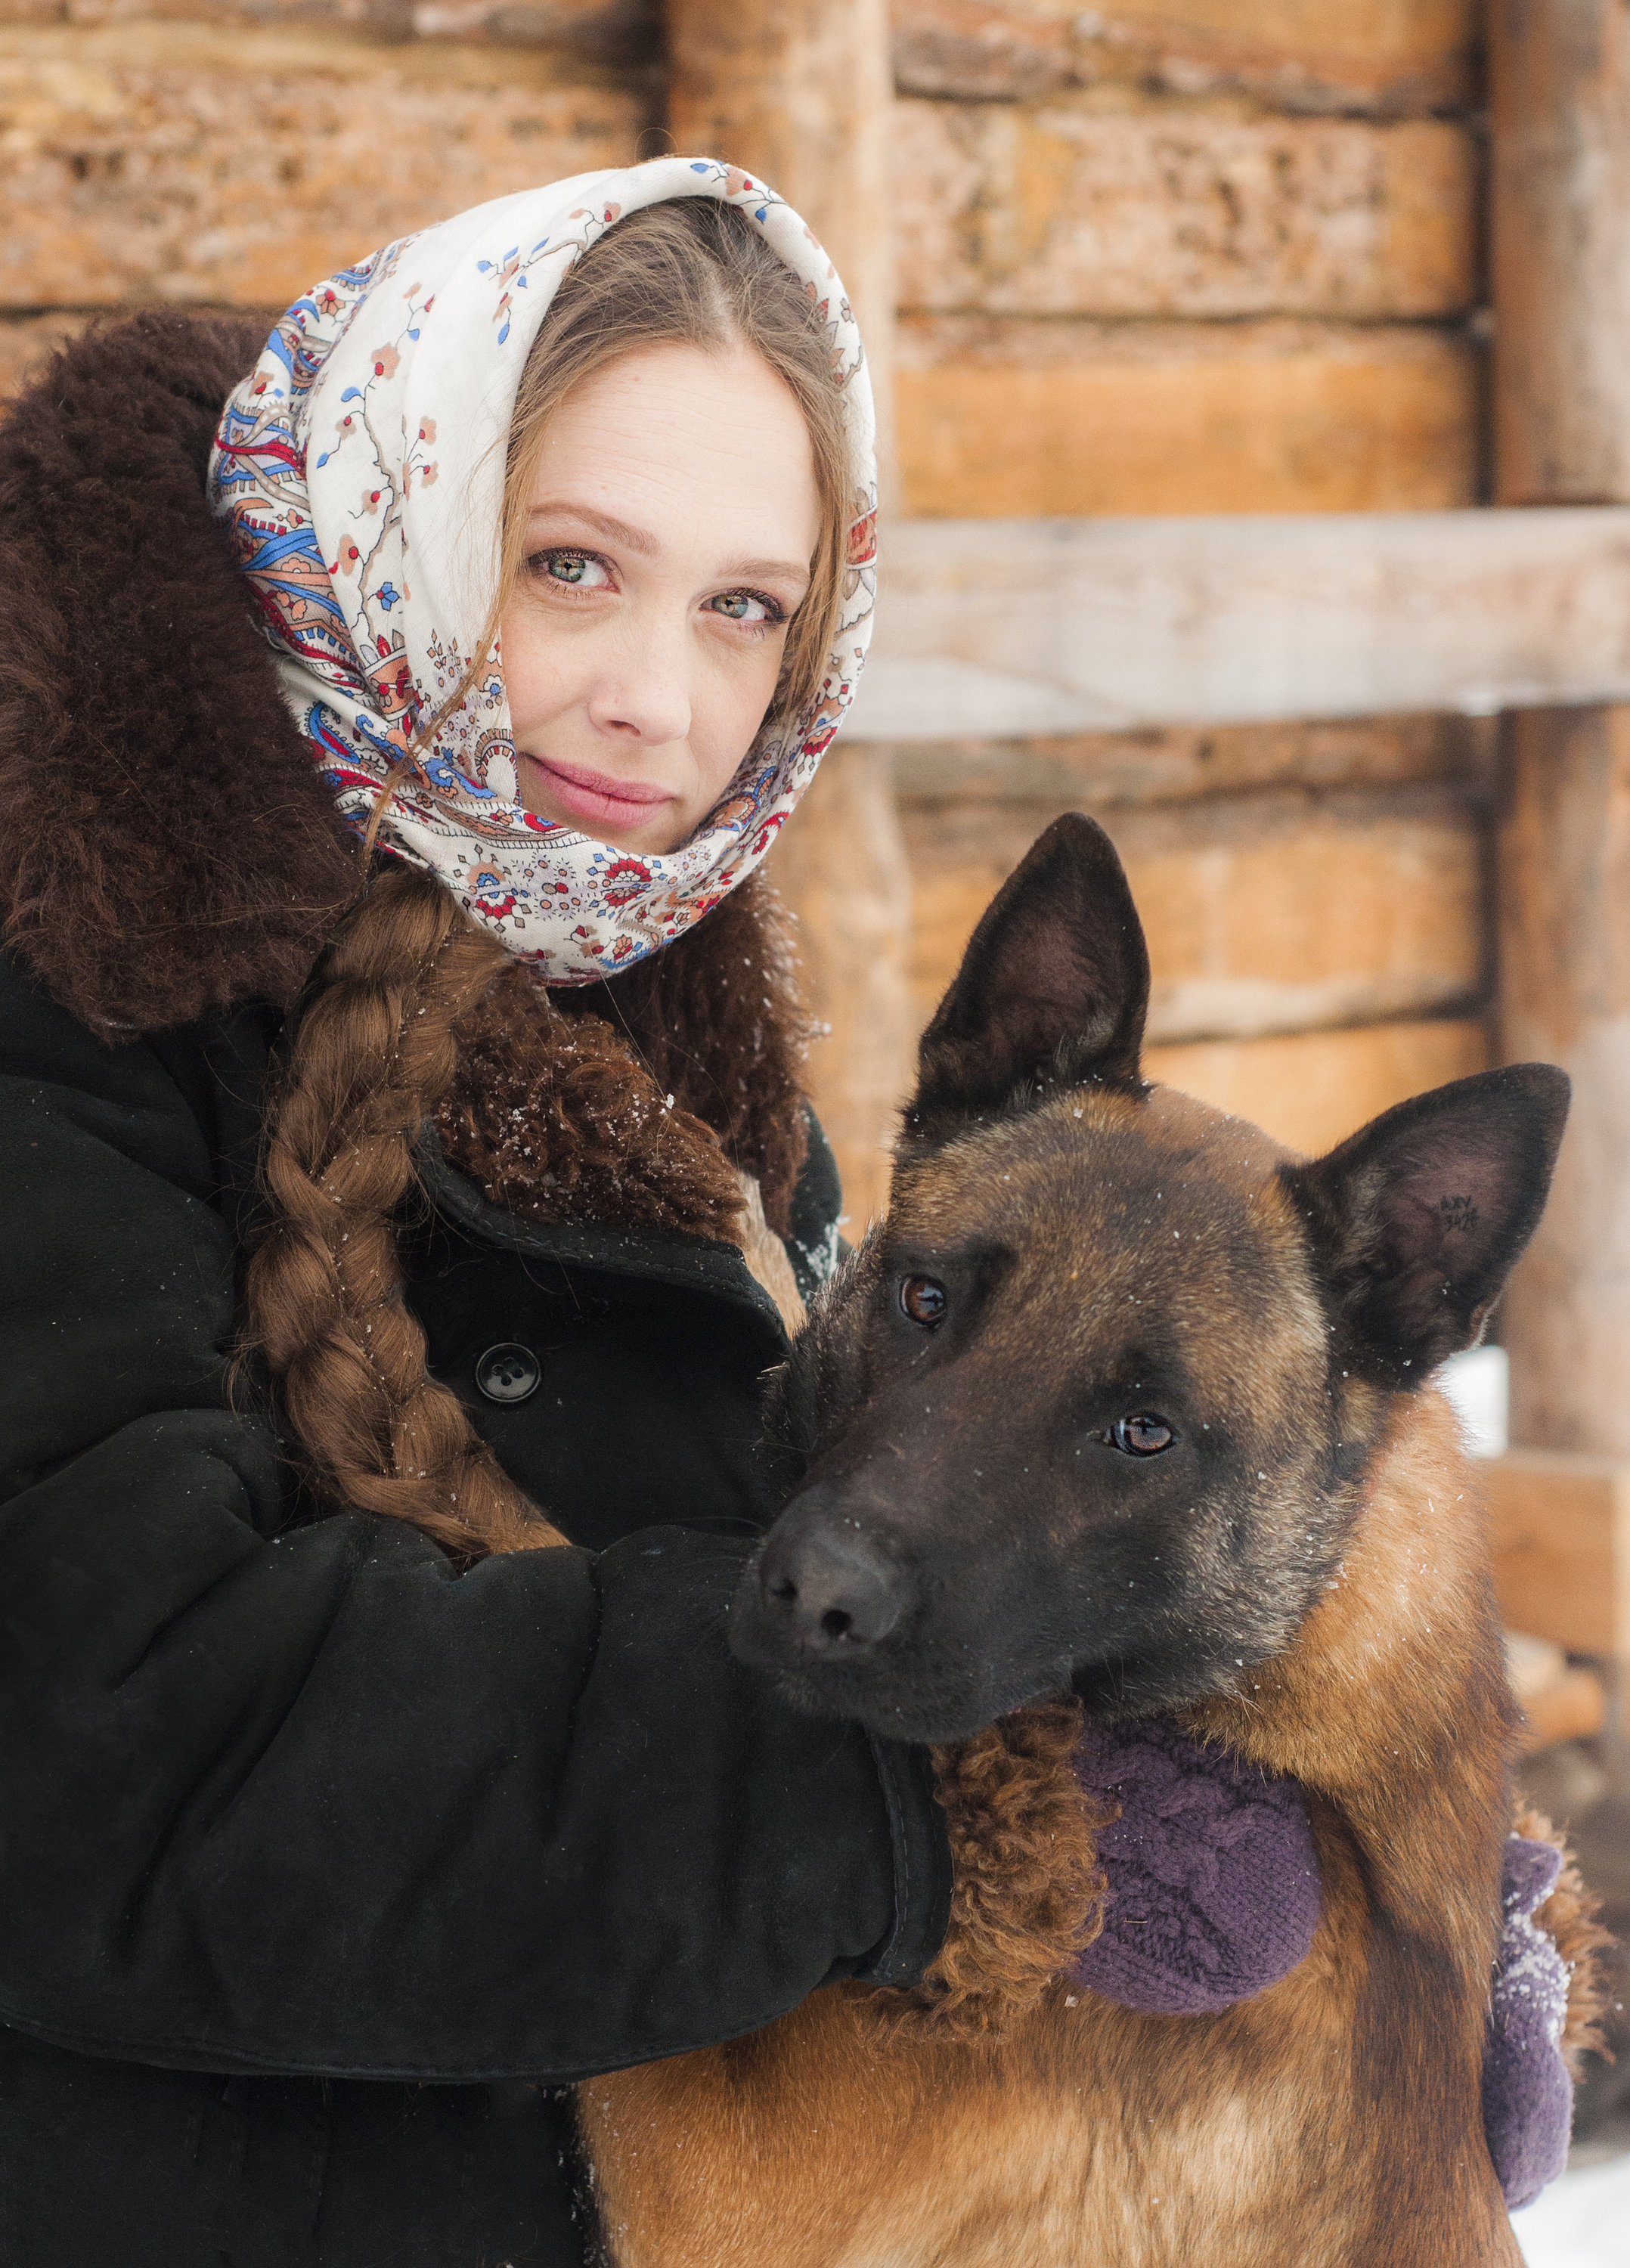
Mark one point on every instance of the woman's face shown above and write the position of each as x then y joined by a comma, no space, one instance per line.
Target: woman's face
669,532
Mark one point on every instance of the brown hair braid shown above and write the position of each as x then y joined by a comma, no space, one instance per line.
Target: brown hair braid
372,1052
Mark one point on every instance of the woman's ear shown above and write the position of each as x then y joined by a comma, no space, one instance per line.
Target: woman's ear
1417,1220
1053,990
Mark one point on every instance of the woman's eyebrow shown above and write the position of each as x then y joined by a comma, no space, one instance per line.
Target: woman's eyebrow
617,531
639,539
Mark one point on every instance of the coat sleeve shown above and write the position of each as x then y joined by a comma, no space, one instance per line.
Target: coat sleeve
307,1801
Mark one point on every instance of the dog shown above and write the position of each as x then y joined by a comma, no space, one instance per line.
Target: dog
1126,1410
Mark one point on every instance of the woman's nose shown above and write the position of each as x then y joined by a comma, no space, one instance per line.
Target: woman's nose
646,694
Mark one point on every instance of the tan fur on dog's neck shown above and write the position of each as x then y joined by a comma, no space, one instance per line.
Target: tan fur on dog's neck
1372,1704
1334,2121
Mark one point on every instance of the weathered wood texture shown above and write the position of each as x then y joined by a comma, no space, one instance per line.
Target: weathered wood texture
1311,1089
1561,1522
1564,903
1176,209
1264,913
844,870
28,342
1386,57
1098,771
1559,77
1005,416
1575,1708
617,32
625,34
1560,83
184,161
1013,627
801,91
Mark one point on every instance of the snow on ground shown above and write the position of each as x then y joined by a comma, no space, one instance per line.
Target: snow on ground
1581,2221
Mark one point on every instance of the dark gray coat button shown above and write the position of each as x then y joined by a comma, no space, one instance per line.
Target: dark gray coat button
508,1373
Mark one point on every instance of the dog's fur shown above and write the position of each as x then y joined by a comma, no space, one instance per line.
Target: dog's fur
1303,1575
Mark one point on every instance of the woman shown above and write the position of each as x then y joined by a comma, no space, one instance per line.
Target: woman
328,1836
401,1174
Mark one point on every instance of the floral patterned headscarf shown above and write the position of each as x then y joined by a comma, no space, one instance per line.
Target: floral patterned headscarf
359,471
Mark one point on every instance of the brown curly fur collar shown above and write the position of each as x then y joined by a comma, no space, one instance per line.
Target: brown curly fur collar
167,850
165,847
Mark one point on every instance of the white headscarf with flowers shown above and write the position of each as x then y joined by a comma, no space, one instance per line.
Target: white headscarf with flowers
359,471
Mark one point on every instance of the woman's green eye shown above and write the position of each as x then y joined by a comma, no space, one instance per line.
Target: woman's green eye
746,606
578,570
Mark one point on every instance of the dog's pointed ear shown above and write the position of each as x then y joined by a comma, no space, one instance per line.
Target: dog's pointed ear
1053,987
1418,1219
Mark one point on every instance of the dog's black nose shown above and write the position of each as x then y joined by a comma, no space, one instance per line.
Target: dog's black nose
831,1591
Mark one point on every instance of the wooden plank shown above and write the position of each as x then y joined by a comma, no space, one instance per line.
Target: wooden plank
28,342
1560,82
1560,86
1068,209
1575,1708
1561,1524
1310,1090
800,90
1388,57
1564,898
1098,771
620,33
1004,418
842,870
998,628
196,162
1264,913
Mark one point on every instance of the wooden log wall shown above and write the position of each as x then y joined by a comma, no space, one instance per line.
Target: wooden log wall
1211,255
1186,258
231,152
1167,255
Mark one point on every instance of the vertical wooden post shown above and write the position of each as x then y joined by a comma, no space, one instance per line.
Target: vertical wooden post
1560,89
1565,998
801,91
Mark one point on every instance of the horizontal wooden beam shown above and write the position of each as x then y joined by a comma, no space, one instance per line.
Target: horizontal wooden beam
1301,55
1560,1526
237,165
1001,628
1267,913
1169,210
1001,417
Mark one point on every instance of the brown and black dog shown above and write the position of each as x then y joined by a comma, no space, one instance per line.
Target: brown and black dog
1124,1402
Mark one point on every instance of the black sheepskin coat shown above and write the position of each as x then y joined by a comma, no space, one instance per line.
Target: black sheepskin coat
325,1869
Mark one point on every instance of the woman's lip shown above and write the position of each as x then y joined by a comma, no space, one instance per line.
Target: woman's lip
596,795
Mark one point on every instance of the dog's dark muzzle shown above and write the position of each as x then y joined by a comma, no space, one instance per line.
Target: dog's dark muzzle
830,1605
825,1588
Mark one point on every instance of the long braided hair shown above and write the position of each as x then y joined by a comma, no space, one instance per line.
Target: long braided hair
374,1053
372,1048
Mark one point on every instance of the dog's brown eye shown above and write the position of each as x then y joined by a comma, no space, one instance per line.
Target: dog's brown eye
923,1300
1142,1436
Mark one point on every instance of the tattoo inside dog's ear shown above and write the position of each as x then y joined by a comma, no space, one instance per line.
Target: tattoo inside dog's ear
1418,1219
1053,989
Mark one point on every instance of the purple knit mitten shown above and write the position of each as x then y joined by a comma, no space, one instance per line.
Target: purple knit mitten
1213,1886
1528,2097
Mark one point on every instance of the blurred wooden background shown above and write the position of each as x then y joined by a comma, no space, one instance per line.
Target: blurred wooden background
1160,257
